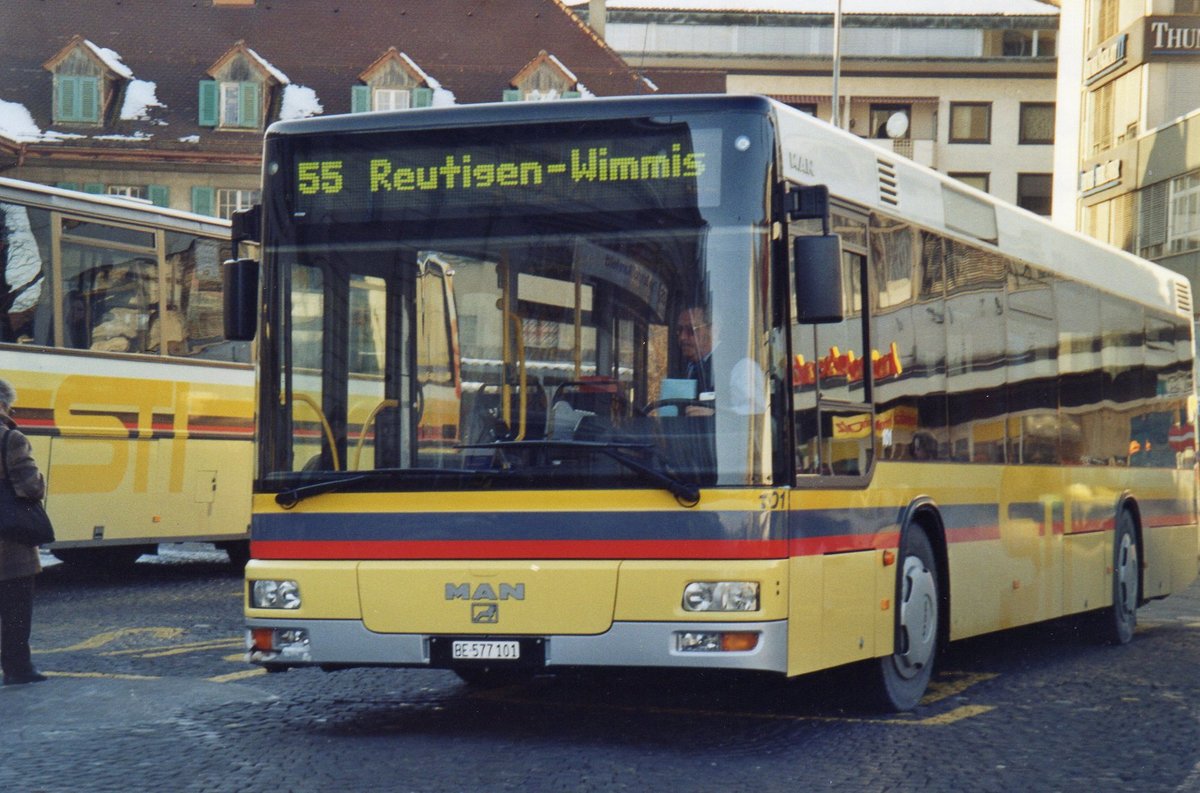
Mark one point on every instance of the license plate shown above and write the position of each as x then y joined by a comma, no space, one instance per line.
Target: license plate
486,650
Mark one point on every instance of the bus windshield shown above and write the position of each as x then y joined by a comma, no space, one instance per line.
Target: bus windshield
519,306
525,358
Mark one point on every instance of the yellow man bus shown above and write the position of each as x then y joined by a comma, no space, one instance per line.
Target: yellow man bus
139,410
731,389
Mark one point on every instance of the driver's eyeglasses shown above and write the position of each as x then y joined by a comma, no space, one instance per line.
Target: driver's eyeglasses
690,330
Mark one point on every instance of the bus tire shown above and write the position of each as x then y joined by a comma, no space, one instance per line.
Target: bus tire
1118,622
238,552
104,558
903,676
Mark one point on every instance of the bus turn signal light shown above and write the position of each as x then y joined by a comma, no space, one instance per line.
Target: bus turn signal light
738,642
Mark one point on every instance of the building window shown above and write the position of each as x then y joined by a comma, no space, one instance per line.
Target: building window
129,191
239,105
1183,225
1152,220
891,121
77,99
1037,122
809,108
1106,24
390,99
231,200
980,181
1033,192
970,122
230,104
1018,43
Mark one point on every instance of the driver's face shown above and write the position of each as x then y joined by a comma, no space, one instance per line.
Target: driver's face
694,334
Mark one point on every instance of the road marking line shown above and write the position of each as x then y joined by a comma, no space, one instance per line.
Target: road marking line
941,720
102,676
108,637
942,688
191,647
238,675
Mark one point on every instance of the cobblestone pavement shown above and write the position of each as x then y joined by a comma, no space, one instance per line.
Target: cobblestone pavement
148,692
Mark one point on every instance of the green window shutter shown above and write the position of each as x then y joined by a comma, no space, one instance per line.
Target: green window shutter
360,98
67,185
570,94
67,89
203,200
422,97
208,103
160,195
248,94
89,98
512,95
95,188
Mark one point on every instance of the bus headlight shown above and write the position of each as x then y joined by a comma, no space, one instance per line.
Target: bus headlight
275,595
721,596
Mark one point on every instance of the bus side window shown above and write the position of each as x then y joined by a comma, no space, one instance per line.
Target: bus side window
24,287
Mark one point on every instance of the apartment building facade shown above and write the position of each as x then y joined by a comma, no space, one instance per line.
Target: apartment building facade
968,88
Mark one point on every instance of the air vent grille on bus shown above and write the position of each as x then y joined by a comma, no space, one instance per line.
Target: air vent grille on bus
1183,297
889,185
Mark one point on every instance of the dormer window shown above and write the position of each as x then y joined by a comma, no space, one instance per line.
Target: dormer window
239,95
393,82
544,78
86,78
239,104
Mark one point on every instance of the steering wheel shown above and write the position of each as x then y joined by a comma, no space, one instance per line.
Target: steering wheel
681,404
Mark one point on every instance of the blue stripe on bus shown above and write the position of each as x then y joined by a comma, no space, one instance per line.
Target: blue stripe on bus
963,522
484,526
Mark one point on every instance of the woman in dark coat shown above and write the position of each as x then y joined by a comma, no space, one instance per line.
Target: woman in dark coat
18,563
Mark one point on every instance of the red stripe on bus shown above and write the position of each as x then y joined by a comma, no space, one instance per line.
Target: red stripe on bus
816,546
1091,526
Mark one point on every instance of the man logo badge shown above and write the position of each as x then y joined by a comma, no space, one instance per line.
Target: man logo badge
486,613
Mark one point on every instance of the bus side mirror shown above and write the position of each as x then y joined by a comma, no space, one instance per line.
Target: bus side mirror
241,299
818,268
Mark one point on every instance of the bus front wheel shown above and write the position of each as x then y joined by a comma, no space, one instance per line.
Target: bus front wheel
903,676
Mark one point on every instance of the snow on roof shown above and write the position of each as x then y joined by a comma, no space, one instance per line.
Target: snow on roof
889,7
299,101
16,122
570,74
111,59
441,97
413,65
133,138
278,75
139,98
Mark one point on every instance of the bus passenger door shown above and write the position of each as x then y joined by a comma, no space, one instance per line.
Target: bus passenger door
834,586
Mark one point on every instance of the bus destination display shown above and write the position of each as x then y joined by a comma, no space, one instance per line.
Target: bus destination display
635,173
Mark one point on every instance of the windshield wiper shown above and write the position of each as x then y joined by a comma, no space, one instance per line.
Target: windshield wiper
688,494
293,496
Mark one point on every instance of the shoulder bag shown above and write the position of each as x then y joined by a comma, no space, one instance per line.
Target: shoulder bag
22,520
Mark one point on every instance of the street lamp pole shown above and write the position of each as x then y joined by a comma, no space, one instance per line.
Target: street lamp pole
835,116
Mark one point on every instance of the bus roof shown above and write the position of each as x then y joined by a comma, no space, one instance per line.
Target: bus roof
817,153
113,207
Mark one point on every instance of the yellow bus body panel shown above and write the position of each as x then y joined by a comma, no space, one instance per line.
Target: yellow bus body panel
328,590
652,590
545,597
109,473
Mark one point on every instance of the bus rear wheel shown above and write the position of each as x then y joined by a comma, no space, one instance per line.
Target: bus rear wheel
1118,622
903,676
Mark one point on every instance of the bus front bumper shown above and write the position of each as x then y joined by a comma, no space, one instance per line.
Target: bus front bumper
280,644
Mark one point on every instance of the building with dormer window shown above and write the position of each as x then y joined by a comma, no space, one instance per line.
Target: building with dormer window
168,103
